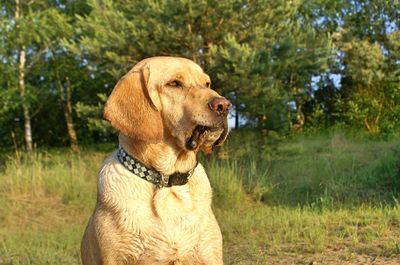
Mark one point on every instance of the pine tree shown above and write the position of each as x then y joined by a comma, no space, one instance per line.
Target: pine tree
276,59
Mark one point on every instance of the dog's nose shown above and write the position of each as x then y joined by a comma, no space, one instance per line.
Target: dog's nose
220,105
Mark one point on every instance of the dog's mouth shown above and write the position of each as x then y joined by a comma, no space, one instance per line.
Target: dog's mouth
206,138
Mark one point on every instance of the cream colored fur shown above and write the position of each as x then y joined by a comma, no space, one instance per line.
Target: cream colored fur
134,222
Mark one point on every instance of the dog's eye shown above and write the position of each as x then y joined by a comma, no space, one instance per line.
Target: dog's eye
208,84
175,83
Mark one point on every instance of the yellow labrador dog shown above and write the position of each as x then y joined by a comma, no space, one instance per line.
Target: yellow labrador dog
154,198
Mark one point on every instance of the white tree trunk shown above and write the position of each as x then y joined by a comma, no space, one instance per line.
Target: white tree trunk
22,87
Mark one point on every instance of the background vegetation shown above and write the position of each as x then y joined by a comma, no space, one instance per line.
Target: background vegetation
311,171
286,65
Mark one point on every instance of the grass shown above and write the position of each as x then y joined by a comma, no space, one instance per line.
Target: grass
331,199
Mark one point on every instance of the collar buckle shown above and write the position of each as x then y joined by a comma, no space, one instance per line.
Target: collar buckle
163,181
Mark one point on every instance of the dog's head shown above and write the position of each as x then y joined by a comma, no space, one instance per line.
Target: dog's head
169,99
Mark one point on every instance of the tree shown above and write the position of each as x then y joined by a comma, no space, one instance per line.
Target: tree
274,61
364,62
284,64
65,77
367,53
114,35
29,29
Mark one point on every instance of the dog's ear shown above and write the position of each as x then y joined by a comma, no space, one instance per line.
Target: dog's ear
130,109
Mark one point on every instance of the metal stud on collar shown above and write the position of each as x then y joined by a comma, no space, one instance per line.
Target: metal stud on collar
153,176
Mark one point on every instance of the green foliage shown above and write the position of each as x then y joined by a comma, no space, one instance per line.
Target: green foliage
287,66
278,61
33,32
371,94
91,115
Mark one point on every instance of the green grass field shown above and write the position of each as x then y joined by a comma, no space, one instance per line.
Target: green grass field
322,199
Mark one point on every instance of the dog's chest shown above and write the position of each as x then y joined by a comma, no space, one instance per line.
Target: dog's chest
165,223
172,230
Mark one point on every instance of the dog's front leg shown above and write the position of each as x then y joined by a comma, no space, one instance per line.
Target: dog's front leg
210,245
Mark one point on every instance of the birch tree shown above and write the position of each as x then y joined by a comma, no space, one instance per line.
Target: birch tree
29,29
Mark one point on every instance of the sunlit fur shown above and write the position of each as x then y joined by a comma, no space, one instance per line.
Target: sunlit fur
134,222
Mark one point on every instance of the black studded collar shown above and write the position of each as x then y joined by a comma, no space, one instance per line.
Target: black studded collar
151,175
